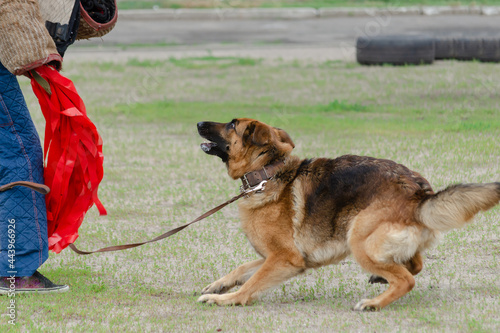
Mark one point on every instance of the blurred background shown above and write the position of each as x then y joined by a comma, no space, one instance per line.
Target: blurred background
286,29
169,64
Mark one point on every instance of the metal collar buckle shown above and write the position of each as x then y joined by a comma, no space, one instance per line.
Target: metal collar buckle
246,183
265,171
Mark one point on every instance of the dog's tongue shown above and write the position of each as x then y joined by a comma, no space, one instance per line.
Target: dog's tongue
207,146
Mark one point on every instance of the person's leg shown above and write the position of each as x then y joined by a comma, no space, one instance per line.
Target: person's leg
23,220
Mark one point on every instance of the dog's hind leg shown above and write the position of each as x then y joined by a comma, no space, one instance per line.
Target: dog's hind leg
274,271
377,279
364,248
414,266
236,278
400,283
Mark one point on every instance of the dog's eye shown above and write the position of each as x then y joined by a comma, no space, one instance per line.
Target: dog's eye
232,126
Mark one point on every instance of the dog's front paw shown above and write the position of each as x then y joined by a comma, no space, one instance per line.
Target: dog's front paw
227,299
366,305
208,299
215,288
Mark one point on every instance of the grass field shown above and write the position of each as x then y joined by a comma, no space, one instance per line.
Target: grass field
148,4
441,120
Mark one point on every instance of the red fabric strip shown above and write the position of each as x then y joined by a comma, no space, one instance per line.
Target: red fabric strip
72,156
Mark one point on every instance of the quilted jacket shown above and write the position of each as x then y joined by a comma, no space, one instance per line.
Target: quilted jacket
23,220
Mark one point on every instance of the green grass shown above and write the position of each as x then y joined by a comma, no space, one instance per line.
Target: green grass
176,4
442,121
335,116
213,62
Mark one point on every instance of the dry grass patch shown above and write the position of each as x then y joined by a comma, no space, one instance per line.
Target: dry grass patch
156,177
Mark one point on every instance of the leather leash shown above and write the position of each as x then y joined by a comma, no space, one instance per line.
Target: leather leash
259,187
247,188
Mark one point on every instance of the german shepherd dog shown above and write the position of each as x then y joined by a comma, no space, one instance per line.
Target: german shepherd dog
316,212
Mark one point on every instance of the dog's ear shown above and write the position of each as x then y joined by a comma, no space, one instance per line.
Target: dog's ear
284,137
257,133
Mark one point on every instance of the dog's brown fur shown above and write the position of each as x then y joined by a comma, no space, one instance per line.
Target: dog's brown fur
315,212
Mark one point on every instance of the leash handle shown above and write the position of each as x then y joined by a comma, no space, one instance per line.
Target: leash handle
169,233
34,186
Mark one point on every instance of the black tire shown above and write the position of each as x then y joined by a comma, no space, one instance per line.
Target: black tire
395,50
482,49
491,50
445,48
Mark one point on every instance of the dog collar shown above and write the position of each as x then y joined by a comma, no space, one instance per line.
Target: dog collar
254,178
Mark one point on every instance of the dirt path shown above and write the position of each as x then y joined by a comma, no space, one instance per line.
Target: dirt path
308,39
318,53
332,31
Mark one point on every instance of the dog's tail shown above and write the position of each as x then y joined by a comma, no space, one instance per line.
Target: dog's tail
453,207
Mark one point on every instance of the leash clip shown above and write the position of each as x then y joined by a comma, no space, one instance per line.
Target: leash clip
258,188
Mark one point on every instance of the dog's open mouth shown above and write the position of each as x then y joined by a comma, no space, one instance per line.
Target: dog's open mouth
214,142
212,148
208,146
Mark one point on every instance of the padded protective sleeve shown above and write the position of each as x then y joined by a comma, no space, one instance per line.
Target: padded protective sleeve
24,41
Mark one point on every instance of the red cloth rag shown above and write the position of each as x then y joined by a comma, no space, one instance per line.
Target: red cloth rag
73,159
